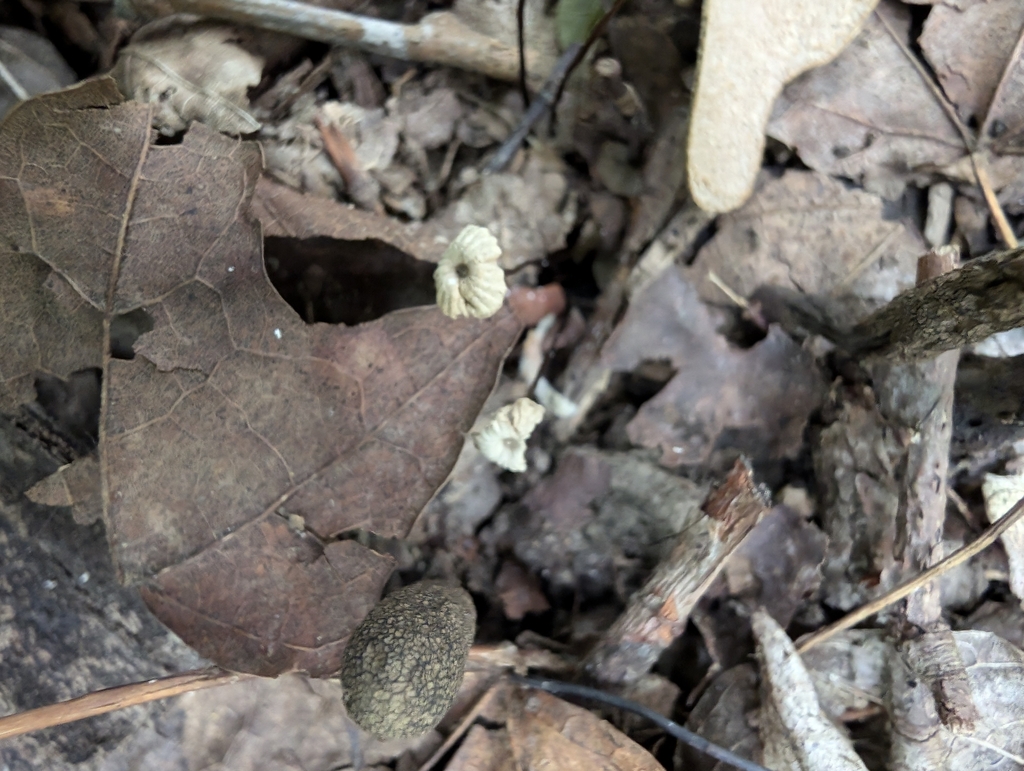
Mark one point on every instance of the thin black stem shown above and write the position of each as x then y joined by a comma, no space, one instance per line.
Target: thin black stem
538,107
699,743
521,34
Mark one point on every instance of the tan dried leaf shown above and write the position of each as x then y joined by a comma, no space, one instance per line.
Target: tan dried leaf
192,73
749,50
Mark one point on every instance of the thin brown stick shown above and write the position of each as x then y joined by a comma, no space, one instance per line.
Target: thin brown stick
961,555
112,699
994,207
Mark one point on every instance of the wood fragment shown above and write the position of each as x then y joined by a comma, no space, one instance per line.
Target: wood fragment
919,396
961,555
659,611
440,38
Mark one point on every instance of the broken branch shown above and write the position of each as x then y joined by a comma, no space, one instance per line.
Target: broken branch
440,38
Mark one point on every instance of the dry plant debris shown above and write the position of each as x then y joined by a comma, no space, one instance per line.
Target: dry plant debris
262,469
193,73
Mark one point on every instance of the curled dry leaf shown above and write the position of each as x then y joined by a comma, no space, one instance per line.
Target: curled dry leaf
795,731
503,439
748,52
192,73
233,411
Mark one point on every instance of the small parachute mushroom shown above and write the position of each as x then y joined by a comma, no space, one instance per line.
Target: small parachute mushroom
468,279
503,440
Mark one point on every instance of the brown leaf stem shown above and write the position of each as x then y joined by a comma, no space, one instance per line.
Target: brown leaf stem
111,699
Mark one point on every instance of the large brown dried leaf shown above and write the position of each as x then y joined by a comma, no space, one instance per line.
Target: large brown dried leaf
759,398
233,411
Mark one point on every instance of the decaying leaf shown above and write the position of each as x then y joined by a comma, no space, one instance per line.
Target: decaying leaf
748,51
191,73
726,714
813,234
969,49
868,115
961,709
796,733
759,398
233,411
548,732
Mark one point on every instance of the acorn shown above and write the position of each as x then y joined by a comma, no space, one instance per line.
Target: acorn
404,663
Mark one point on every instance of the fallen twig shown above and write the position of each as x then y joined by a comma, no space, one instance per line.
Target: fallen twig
538,107
928,413
961,555
440,38
658,612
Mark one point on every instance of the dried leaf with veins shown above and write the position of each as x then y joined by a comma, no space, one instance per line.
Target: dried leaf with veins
233,409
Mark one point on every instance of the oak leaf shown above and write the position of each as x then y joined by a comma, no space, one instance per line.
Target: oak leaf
239,443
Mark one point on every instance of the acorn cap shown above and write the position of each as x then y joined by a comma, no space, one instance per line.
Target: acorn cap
404,663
